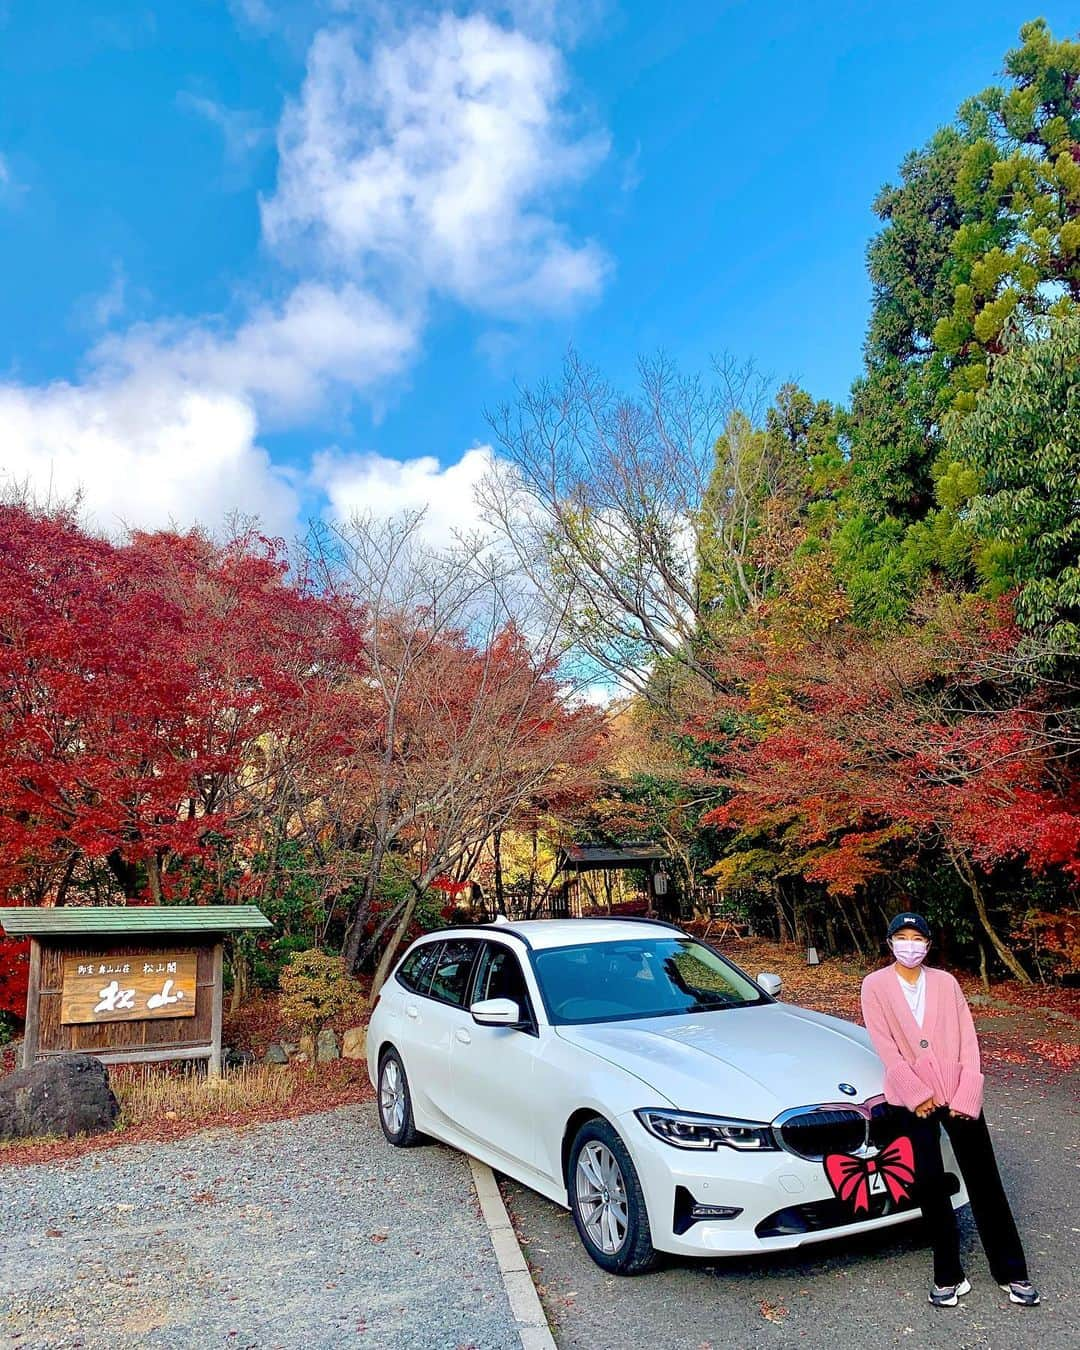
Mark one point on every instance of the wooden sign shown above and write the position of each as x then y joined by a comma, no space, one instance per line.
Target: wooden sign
128,988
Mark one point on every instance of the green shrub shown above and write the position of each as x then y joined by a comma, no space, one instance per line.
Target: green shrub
315,989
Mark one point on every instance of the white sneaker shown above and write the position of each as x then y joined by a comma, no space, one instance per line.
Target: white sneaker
1022,1292
949,1295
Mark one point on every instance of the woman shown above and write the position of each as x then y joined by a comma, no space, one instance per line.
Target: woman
921,1027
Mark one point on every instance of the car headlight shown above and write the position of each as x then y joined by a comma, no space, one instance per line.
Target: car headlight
684,1129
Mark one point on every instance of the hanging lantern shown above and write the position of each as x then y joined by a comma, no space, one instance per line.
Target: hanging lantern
660,883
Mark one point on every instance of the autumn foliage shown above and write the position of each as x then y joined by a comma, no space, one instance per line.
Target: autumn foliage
191,719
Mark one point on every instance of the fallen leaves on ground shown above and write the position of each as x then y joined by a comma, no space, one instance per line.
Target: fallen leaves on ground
341,1083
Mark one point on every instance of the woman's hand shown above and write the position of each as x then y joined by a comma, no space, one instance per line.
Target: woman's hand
960,1115
928,1108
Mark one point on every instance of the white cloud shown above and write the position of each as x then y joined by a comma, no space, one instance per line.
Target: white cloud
428,164
241,131
433,163
110,303
373,484
11,190
143,451
285,360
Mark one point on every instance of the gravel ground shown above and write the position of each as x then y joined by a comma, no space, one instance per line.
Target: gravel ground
841,1295
306,1233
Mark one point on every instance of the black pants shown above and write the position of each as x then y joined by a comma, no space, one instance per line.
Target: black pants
990,1207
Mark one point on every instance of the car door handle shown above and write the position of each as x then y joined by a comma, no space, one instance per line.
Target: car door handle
412,1011
463,1036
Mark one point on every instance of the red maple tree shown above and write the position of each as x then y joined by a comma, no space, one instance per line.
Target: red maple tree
148,687
859,751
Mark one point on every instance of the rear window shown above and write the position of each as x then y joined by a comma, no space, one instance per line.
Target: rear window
416,970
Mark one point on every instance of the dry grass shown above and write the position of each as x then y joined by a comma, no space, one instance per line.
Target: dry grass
145,1097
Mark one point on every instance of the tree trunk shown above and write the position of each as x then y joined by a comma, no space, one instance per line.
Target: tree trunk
782,934
382,970
867,935
967,874
850,927
354,934
127,874
153,870
65,880
500,897
983,973
240,977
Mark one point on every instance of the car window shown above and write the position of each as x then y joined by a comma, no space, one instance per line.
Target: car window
499,975
415,971
657,977
450,982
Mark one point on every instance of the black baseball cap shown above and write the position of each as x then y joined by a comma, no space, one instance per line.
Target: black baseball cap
909,920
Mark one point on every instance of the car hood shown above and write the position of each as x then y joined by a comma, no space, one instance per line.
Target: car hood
751,1063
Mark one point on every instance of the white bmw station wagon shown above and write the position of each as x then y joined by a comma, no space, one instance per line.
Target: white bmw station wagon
630,1072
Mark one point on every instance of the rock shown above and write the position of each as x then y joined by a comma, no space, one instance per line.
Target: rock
307,1047
275,1054
236,1059
290,1047
354,1043
326,1047
65,1095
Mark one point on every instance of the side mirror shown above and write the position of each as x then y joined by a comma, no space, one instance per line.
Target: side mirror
496,1012
772,984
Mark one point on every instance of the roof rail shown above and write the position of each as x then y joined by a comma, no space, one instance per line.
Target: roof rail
487,927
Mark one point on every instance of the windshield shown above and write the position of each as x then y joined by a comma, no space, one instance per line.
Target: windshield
648,977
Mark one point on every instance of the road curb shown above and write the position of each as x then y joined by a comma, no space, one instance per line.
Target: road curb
532,1325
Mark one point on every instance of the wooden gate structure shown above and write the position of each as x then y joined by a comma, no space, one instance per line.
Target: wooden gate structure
640,855
129,984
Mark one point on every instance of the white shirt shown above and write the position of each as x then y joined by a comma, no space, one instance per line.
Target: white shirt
915,993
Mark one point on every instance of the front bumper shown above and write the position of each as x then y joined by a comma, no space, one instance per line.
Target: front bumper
783,1201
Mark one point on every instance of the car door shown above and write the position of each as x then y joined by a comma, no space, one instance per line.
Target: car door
492,1067
410,1028
440,1015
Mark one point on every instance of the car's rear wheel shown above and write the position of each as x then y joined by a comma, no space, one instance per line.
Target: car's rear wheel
395,1102
607,1202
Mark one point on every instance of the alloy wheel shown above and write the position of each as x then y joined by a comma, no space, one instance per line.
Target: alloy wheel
392,1096
601,1196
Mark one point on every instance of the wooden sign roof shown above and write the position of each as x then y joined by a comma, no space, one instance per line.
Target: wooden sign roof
90,920
597,857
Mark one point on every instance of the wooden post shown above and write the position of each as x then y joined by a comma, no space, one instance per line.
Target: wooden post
214,1066
33,989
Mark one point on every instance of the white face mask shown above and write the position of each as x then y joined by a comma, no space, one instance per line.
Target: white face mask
910,952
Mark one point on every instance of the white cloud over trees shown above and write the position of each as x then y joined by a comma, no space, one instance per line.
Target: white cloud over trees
431,161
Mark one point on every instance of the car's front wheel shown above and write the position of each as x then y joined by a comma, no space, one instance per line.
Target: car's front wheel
395,1102
607,1202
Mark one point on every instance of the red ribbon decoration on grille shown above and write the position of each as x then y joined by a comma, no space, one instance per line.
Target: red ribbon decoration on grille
850,1177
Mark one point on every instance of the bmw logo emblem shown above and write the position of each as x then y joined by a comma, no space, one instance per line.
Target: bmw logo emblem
847,1089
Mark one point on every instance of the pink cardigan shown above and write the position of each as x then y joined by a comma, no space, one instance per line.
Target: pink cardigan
940,1059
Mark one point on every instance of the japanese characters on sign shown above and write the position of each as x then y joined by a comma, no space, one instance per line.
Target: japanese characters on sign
128,988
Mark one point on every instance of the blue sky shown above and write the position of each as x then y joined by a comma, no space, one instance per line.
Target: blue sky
280,257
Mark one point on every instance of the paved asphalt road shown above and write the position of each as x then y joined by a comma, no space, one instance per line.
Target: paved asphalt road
860,1293
299,1235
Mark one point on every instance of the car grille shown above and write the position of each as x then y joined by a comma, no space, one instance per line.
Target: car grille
813,1131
